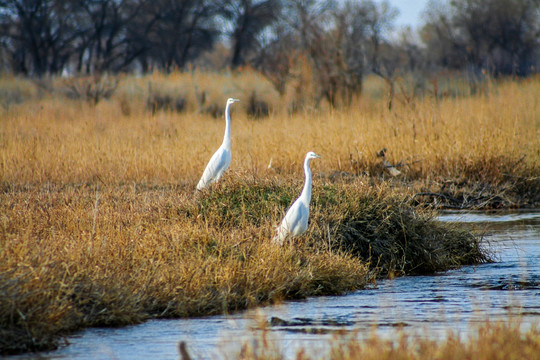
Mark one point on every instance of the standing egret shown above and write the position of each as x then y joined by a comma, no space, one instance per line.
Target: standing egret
295,221
220,161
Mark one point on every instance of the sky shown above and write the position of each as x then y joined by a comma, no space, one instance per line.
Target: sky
409,12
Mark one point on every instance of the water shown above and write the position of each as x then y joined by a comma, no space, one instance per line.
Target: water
426,305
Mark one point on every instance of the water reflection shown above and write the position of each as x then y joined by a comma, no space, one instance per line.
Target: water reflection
429,305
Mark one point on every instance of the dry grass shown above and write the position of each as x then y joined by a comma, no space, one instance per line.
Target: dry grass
490,341
98,225
483,147
76,256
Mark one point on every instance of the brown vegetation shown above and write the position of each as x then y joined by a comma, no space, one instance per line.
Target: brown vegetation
489,341
78,255
98,226
453,148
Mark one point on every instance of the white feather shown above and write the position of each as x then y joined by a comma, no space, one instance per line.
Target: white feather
220,161
295,221
218,164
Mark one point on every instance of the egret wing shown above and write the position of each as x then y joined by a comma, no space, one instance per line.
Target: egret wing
297,218
218,164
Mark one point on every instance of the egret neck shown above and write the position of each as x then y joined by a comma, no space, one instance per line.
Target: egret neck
227,137
306,191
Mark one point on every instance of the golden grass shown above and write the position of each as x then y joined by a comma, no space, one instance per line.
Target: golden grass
489,139
76,256
98,225
489,341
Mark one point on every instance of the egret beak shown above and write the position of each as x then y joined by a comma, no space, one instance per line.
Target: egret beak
236,100
318,156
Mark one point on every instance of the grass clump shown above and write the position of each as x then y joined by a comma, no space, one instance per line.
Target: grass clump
384,229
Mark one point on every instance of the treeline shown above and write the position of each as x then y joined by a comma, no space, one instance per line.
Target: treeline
341,41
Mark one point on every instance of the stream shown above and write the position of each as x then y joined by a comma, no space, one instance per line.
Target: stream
427,305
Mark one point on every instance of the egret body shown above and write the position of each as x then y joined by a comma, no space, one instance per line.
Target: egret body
220,161
295,221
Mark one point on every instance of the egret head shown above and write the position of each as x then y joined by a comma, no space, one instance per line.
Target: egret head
231,101
312,155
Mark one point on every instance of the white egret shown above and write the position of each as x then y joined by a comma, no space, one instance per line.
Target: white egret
295,221
220,161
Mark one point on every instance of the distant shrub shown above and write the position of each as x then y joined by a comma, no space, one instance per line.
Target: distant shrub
125,106
159,100
13,92
257,108
92,89
10,96
213,109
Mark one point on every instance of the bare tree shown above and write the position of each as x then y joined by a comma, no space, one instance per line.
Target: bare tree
276,57
43,36
500,36
249,18
38,34
384,59
103,44
340,38
312,21
181,30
